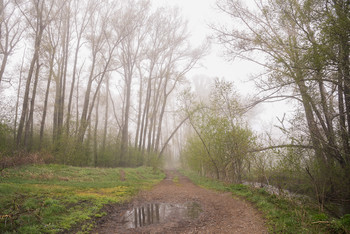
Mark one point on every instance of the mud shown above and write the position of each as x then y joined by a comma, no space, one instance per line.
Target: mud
181,207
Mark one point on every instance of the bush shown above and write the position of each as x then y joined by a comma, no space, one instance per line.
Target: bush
6,139
22,158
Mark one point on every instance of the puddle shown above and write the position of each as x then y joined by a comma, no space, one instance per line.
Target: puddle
153,213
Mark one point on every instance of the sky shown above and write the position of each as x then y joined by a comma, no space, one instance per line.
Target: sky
200,13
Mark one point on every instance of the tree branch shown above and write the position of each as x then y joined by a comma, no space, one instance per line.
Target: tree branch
281,146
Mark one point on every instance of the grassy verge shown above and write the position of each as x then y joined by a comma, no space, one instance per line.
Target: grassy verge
282,215
56,198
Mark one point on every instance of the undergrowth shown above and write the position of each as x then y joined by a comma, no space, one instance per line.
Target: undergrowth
282,215
56,198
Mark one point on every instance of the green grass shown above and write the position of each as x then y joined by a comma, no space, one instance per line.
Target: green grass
176,180
56,198
282,215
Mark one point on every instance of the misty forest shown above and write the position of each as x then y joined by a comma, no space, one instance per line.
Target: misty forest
98,101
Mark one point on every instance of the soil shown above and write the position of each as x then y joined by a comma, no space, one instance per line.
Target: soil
209,212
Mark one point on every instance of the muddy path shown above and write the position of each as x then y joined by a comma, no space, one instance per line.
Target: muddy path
176,205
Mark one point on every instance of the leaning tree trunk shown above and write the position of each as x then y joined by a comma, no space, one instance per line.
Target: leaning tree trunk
83,118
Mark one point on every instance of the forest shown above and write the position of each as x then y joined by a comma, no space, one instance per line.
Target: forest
91,82
105,84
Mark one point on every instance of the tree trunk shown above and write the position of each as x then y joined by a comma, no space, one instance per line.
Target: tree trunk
4,60
316,137
106,118
83,118
57,105
102,76
125,129
3,65
95,130
166,95
144,122
77,108
17,101
160,121
342,118
64,75
69,108
40,29
42,125
156,103
28,134
342,9
139,110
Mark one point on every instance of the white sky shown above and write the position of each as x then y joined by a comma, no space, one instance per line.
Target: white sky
199,14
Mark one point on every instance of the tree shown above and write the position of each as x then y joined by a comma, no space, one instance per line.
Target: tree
42,17
51,49
63,37
102,43
166,64
131,46
11,31
222,142
299,44
79,29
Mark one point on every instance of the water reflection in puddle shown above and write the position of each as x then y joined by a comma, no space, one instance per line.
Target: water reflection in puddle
153,213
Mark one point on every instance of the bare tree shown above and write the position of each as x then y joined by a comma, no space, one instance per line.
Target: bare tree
96,40
28,137
11,31
65,18
42,17
103,45
129,57
51,48
80,27
62,34
127,42
169,59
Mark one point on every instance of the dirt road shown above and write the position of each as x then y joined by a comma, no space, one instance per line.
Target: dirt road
176,205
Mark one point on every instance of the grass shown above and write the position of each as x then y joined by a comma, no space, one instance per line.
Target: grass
176,180
282,215
57,198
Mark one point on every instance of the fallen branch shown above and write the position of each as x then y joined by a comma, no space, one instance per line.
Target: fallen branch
171,136
281,146
321,222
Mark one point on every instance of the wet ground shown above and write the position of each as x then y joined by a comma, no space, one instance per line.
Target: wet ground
179,206
159,213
